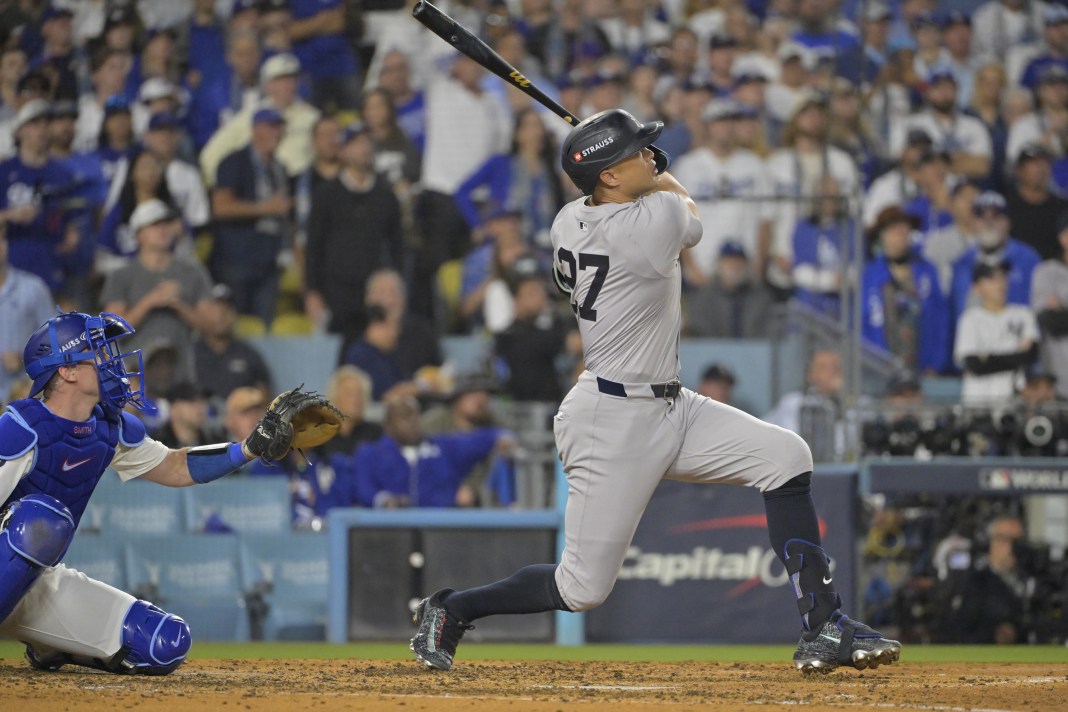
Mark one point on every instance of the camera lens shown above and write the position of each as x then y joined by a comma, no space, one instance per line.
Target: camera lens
1038,430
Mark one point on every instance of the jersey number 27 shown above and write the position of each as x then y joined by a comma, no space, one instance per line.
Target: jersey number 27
585,260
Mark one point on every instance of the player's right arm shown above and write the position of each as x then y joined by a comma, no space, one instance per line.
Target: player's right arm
668,183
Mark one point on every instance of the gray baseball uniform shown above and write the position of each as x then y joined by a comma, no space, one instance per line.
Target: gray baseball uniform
617,439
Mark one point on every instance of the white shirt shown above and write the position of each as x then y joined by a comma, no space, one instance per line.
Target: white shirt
622,262
183,182
985,333
91,119
996,28
961,133
720,186
463,130
1050,280
1028,129
129,462
891,188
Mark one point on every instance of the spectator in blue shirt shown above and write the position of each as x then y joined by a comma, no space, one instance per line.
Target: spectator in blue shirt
205,43
823,251
994,246
320,41
25,304
904,308
34,200
224,92
1055,35
407,469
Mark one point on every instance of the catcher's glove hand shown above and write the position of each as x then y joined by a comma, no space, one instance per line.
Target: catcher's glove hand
295,419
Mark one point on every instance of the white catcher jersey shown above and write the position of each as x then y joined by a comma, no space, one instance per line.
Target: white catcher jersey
621,262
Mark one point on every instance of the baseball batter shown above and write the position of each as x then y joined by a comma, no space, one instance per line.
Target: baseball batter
628,423
54,448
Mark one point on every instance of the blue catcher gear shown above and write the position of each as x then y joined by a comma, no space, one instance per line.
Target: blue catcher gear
153,643
35,532
71,338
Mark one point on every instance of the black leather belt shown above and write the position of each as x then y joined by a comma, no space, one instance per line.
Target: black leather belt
660,390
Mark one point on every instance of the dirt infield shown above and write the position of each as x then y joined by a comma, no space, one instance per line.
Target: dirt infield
534,686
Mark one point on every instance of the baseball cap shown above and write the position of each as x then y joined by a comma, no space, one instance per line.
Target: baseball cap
53,11
245,398
186,391
32,111
156,88
732,248
604,77
877,12
280,65
115,104
722,40
163,120
719,110
924,19
353,130
1053,73
63,109
1054,14
941,73
120,16
930,155
955,17
807,100
743,72
989,200
984,270
918,137
1033,151
472,383
148,213
904,381
893,215
718,372
268,115
34,80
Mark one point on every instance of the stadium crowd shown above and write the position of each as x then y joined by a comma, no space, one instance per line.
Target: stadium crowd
215,168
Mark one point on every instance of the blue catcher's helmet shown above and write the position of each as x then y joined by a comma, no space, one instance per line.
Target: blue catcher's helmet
73,337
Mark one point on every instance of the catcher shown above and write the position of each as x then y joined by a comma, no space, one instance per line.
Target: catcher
55,447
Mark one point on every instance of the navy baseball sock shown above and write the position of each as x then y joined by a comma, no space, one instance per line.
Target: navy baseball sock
532,589
794,531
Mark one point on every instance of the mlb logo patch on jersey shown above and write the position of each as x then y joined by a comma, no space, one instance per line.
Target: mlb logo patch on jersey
583,226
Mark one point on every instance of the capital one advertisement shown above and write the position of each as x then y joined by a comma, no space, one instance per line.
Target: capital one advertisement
701,569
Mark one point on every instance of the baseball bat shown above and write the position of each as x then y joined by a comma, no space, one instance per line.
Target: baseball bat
466,43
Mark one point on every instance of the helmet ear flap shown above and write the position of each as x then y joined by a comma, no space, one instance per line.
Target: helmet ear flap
661,158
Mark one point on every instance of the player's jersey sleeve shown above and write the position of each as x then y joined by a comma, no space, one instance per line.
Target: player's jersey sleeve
11,471
663,226
131,462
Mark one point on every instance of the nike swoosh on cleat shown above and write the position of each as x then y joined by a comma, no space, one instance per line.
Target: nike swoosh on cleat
828,580
68,466
830,638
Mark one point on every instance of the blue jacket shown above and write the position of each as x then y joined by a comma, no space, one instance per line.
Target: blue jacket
821,247
932,339
443,463
1022,259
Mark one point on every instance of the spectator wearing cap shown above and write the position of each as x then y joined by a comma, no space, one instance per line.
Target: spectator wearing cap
58,56
525,179
187,421
783,95
930,51
278,80
1047,122
995,340
252,206
898,185
734,304
1055,44
957,39
34,201
526,351
796,171
635,29
350,390
722,50
905,311
1049,300
1032,208
320,36
158,292
934,186
226,91
993,246
116,140
963,137
1001,24
160,96
108,69
943,246
875,35
485,297
222,362
25,304
823,251
354,228
717,383
726,183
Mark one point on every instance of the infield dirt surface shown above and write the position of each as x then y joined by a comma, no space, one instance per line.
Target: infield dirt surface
536,686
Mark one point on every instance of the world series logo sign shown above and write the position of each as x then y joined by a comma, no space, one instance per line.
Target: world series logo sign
1020,478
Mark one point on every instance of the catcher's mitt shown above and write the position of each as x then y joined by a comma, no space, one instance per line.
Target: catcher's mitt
295,419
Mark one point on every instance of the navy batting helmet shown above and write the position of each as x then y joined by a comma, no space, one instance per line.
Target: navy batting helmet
605,139
71,338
